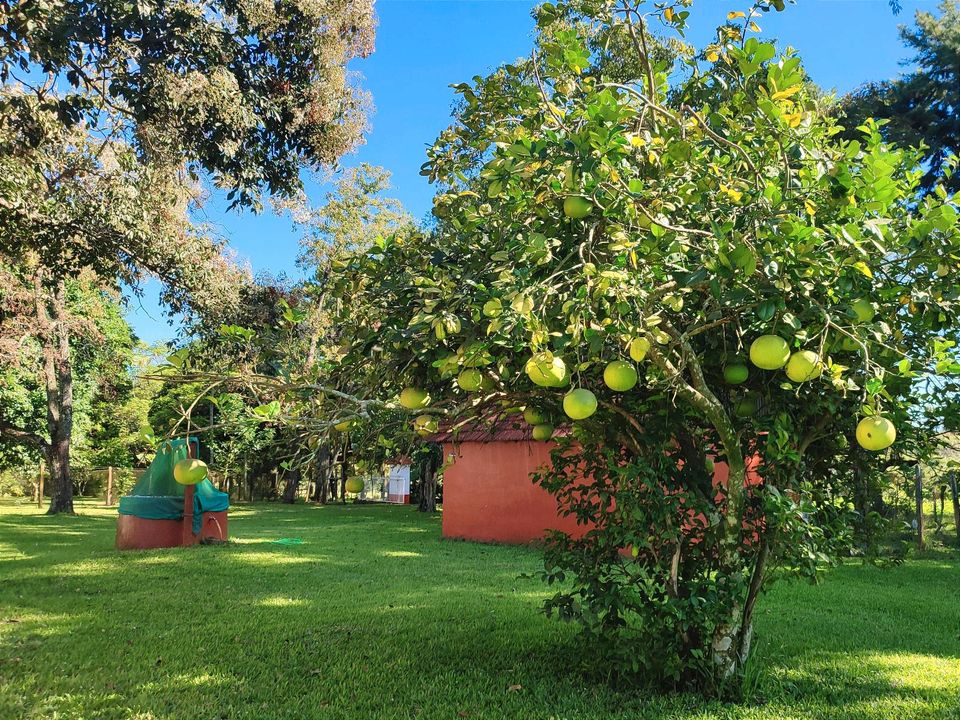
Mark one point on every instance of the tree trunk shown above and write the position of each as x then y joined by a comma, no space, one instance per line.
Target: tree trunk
943,505
321,476
58,379
730,646
290,488
332,479
428,486
41,475
344,468
860,496
324,484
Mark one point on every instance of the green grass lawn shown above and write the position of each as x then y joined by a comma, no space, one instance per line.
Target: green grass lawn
374,616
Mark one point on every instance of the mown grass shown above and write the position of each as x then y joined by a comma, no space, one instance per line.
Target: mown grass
374,616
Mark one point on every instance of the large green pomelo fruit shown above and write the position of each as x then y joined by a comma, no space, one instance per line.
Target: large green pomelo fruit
745,407
620,375
804,365
546,370
354,485
579,404
414,398
846,344
533,416
543,432
470,380
576,207
864,311
876,433
189,471
736,373
769,352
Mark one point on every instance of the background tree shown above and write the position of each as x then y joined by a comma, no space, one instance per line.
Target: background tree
65,383
94,212
248,93
923,106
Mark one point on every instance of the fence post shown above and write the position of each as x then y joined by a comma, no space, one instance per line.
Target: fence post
956,504
109,485
918,496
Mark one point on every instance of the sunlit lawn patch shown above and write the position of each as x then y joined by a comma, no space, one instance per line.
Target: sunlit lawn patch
374,616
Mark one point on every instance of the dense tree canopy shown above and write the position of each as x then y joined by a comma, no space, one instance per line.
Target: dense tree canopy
249,92
76,204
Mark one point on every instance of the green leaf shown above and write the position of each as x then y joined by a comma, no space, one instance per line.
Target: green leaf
766,310
269,411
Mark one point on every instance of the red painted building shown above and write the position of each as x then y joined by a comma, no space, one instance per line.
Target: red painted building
488,494
487,491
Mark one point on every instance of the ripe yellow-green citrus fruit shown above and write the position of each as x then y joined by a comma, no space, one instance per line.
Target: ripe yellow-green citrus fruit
533,416
542,432
546,370
769,352
638,349
576,207
620,375
414,398
426,424
876,433
354,485
579,404
493,308
846,344
470,380
343,426
863,309
736,373
804,365
189,471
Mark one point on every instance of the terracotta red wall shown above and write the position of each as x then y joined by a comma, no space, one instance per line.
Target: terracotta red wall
488,494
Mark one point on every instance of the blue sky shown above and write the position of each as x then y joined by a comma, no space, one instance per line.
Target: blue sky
423,46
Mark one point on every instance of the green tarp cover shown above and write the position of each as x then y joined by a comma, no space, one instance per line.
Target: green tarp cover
157,496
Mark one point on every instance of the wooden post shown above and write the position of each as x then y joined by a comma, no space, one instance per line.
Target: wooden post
956,504
40,486
109,500
918,497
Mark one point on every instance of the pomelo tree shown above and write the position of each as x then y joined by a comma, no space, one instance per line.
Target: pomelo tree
584,220
693,276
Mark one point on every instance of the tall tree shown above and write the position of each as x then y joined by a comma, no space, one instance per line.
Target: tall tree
68,345
92,210
248,92
922,106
